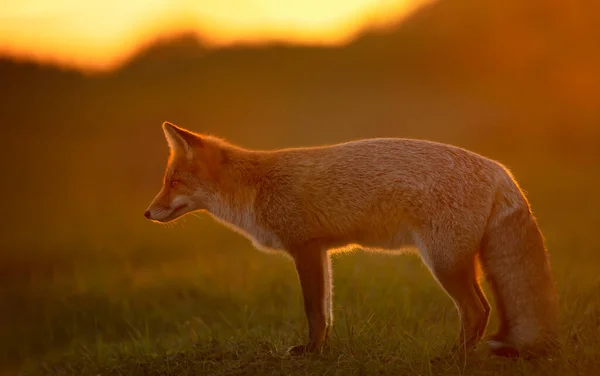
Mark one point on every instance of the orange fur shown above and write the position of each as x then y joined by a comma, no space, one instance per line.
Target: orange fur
460,210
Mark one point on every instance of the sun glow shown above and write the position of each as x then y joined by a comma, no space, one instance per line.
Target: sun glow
101,34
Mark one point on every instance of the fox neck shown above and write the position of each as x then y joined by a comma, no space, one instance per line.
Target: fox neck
234,202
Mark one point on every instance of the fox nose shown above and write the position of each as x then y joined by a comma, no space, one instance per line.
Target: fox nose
147,214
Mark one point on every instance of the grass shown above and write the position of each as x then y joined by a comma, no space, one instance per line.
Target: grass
196,299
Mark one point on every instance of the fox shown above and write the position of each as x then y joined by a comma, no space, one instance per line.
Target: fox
464,214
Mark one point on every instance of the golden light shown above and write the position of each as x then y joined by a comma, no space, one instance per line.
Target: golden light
101,34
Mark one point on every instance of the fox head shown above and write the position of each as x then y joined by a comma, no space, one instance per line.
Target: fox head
190,178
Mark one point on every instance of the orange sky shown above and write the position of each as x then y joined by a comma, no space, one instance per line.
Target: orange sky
100,34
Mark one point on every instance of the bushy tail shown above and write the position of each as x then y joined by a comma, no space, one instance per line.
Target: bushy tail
513,257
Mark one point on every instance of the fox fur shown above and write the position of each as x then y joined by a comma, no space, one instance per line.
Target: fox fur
461,211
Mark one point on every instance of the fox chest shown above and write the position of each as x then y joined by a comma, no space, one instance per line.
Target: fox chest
245,224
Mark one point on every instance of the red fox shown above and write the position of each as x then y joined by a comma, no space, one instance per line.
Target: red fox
461,211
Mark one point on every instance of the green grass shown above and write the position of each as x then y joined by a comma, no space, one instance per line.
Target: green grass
197,299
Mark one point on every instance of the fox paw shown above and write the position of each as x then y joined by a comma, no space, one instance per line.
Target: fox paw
502,349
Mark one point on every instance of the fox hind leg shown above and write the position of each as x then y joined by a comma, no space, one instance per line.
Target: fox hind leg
457,277
485,304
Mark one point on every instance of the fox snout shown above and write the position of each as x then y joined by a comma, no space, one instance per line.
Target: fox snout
163,209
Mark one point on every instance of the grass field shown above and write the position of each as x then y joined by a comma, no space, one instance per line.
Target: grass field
194,298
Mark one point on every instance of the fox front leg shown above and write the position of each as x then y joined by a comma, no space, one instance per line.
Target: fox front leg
312,266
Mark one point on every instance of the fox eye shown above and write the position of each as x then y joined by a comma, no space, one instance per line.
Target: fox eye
174,183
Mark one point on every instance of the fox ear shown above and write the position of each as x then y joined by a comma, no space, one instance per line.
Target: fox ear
180,140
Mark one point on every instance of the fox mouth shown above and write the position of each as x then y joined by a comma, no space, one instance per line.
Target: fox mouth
179,208
175,213
178,211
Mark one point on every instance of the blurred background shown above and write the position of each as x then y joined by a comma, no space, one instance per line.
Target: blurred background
85,87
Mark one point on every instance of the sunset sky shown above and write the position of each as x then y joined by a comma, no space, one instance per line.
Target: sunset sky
100,34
